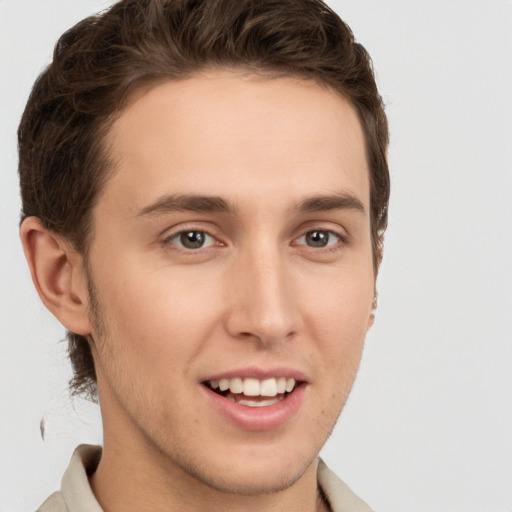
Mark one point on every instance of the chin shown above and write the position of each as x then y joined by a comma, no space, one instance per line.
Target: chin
256,479
252,470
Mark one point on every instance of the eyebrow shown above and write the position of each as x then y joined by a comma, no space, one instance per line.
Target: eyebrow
340,201
194,203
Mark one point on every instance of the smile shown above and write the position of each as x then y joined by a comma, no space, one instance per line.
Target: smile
256,404
257,400
253,392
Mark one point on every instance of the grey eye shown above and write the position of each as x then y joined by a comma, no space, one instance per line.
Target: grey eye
193,239
319,238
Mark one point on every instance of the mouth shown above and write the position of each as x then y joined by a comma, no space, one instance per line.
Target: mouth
253,392
256,400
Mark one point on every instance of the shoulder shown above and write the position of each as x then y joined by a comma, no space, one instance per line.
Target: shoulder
75,493
339,496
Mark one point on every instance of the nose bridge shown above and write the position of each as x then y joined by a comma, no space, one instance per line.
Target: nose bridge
262,295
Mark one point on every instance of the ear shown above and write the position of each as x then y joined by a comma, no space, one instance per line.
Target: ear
58,275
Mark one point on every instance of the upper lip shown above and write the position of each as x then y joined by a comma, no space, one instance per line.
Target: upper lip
260,374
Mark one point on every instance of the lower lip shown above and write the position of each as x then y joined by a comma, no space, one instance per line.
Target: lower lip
258,418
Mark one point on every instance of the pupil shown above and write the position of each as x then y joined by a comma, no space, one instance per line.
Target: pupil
317,238
192,239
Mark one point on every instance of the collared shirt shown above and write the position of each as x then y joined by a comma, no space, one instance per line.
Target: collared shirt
76,495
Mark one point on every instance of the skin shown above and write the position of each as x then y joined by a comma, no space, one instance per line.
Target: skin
258,294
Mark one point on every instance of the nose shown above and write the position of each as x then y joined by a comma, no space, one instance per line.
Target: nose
262,302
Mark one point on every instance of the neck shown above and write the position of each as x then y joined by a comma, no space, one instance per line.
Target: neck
128,480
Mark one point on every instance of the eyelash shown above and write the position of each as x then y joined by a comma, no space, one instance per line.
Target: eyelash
174,239
341,240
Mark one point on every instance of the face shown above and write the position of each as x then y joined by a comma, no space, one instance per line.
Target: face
232,270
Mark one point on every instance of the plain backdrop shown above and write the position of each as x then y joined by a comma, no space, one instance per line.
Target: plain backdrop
429,424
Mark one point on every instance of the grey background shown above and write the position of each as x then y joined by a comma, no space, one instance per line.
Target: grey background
429,423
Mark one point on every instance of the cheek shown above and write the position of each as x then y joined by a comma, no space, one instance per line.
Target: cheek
338,315
159,316
340,303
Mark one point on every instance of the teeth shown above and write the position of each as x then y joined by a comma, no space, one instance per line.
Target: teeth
236,386
251,387
254,387
263,403
290,384
268,387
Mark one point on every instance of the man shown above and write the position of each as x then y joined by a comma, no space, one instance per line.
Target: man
205,190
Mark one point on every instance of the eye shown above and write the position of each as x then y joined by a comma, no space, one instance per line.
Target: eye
192,239
319,238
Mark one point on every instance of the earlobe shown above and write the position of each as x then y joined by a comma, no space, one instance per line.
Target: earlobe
58,275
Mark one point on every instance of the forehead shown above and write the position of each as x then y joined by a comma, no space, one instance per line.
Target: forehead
227,133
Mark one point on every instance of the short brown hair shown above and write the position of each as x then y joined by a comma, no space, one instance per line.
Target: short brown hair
102,60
